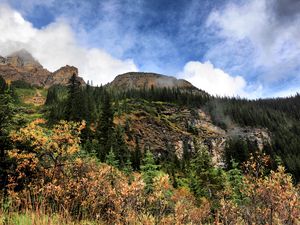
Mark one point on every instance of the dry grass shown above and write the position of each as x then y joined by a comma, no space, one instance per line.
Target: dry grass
38,218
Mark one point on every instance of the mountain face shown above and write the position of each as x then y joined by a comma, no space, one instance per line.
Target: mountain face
21,65
139,80
165,127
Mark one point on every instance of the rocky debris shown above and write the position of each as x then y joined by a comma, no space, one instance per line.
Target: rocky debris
259,136
22,66
170,128
139,80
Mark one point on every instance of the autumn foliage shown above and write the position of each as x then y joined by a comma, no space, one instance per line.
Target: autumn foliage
50,175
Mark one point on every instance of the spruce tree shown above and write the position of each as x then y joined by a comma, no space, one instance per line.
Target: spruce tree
120,148
111,159
105,127
3,85
6,114
205,179
136,156
73,104
149,171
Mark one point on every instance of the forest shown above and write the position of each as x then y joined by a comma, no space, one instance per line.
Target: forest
70,162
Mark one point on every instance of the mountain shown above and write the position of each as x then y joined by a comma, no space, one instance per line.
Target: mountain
140,80
21,65
166,114
22,58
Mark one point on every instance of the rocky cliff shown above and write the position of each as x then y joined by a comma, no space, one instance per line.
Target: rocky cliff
163,127
21,65
139,80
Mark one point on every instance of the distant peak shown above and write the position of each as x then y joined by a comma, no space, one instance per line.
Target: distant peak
140,80
25,57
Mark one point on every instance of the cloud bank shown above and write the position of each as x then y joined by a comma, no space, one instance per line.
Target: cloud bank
213,80
55,45
259,34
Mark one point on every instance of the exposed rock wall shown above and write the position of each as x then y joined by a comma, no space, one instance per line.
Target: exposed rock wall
167,127
22,66
139,80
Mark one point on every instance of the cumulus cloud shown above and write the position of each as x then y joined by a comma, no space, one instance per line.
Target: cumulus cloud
55,45
213,80
268,31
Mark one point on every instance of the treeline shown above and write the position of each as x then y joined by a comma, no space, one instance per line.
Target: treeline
281,118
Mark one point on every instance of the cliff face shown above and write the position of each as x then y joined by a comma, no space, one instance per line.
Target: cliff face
163,127
139,80
62,76
22,66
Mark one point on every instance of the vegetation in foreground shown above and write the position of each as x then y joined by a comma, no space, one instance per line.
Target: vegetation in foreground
47,176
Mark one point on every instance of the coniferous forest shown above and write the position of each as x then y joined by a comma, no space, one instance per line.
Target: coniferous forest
71,160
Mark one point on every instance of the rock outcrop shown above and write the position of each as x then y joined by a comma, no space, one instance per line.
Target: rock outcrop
139,80
63,75
163,127
22,66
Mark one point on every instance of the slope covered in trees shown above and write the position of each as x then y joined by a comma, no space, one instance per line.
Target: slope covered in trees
96,105
77,161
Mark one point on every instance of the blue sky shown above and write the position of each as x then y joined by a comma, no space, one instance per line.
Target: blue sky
249,48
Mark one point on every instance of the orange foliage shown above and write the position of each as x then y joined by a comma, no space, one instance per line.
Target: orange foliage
51,178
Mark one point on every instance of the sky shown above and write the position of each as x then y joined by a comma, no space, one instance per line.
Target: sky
246,48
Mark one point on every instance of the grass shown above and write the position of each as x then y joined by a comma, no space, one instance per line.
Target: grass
36,218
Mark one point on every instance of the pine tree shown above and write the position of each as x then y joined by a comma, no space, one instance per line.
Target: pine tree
136,156
7,112
205,180
74,103
120,148
3,85
235,180
105,127
111,159
128,169
149,171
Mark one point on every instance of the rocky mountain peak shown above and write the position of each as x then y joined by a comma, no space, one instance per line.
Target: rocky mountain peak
21,65
23,58
139,80
63,75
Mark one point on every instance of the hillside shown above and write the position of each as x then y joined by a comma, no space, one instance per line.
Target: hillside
140,145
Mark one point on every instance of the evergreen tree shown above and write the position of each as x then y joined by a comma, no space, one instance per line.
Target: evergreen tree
186,156
3,85
235,180
111,159
120,148
128,169
6,114
105,127
74,103
149,171
136,156
205,180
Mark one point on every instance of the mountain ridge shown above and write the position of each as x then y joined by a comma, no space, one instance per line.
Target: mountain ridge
21,65
148,80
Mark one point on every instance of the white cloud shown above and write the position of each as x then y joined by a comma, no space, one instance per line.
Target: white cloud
55,45
213,80
269,31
